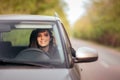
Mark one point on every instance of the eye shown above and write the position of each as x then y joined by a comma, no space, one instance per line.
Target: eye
39,35
46,34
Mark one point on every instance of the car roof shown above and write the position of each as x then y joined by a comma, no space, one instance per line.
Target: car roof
16,17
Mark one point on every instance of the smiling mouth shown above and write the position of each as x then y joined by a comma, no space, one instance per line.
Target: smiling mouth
43,42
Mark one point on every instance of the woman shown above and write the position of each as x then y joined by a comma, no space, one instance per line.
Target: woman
41,47
43,39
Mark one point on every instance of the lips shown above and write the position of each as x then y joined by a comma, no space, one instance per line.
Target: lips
43,42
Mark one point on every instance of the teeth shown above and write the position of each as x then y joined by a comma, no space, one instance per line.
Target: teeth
43,41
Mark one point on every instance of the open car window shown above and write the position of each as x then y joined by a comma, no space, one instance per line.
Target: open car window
14,44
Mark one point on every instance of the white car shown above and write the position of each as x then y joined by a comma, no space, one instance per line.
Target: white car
35,64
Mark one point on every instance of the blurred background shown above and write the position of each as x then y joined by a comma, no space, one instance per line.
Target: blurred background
94,20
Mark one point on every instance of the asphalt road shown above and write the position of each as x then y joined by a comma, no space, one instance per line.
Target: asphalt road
106,68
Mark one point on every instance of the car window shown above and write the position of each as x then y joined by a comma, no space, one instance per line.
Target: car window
67,44
19,38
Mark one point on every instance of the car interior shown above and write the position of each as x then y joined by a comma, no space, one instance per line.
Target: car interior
9,51
14,38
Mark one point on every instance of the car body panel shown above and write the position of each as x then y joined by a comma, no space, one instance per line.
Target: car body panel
6,19
27,18
38,74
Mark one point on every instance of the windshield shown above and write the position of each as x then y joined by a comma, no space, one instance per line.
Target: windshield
28,42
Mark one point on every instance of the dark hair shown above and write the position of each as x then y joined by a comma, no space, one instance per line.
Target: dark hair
33,37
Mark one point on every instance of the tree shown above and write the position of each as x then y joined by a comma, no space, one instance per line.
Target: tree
42,7
104,22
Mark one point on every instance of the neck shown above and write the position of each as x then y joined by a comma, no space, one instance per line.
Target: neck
46,48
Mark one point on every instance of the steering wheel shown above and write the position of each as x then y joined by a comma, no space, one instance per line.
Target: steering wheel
32,54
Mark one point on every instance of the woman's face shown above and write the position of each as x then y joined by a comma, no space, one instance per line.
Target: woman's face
43,38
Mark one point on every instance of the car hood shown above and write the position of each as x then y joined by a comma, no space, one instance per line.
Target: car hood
37,74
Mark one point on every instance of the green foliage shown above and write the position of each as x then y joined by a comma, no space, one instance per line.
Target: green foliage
103,26
15,37
26,7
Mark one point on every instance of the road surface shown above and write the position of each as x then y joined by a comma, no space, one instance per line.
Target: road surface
106,68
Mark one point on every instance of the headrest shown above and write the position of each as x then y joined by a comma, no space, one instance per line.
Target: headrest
5,44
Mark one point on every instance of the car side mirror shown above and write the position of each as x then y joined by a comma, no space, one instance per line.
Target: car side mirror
86,54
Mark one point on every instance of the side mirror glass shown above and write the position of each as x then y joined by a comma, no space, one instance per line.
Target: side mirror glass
86,54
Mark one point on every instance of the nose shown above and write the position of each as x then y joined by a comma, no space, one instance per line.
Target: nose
42,37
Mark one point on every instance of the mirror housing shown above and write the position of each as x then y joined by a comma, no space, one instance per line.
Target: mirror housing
86,54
